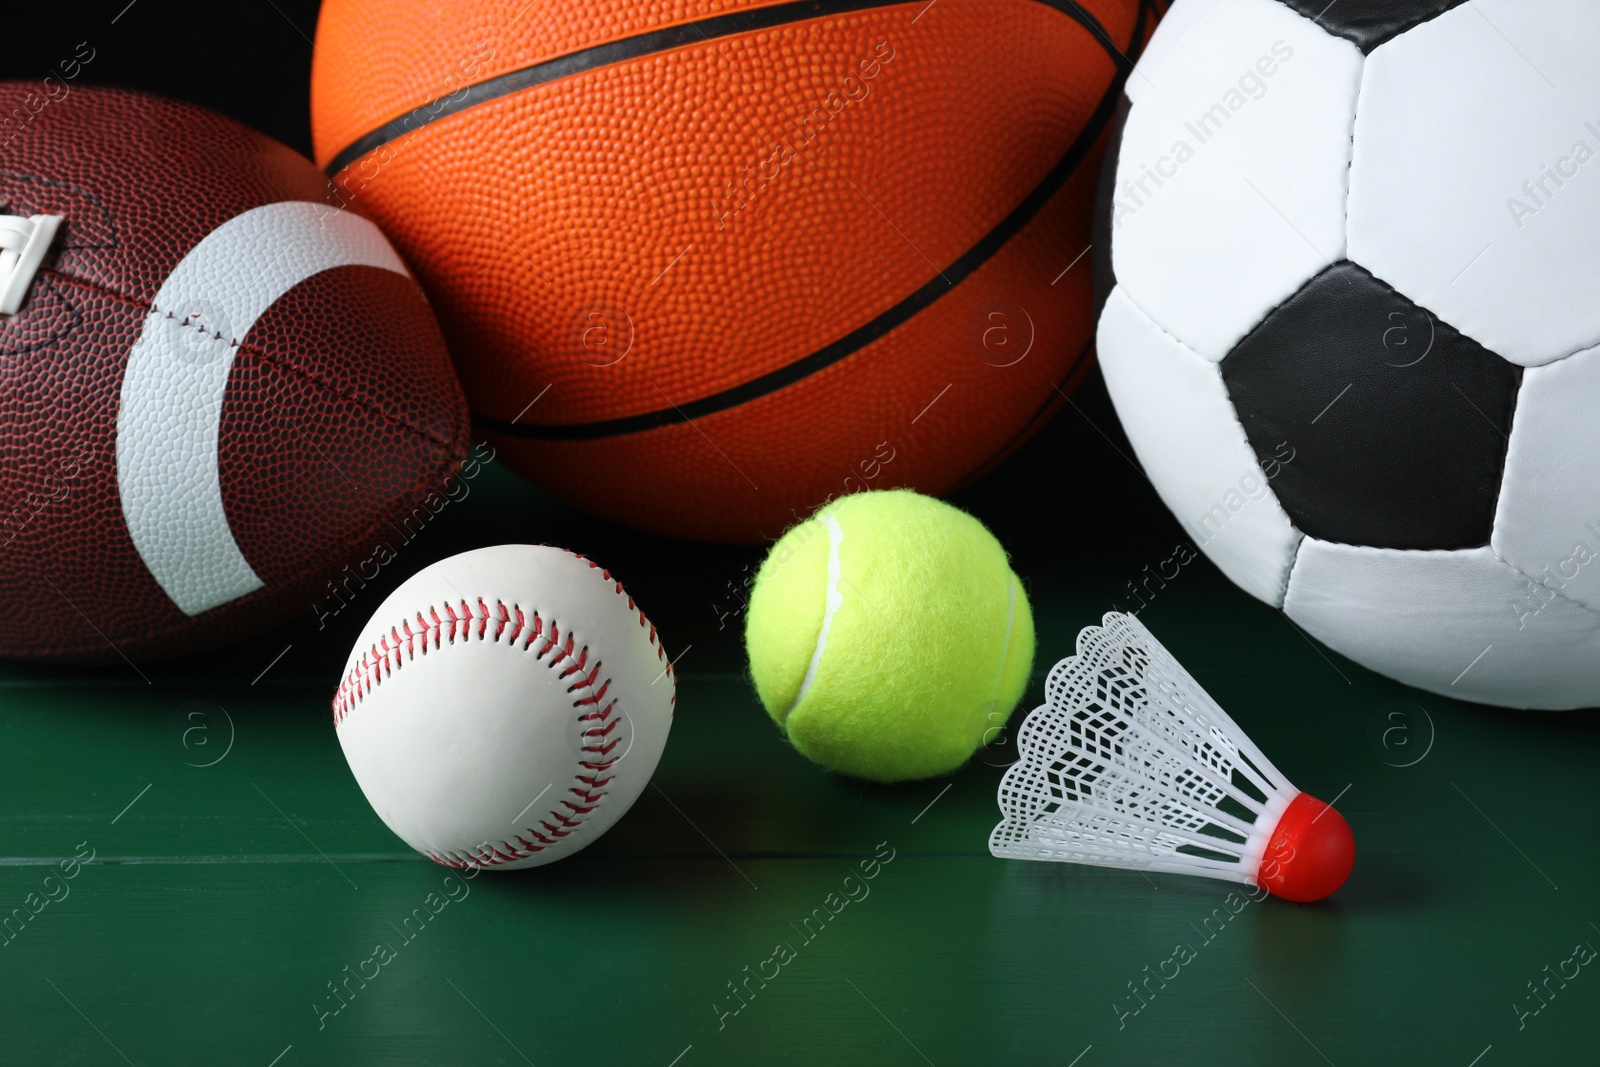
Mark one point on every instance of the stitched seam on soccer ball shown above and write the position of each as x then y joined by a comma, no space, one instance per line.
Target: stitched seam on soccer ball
460,622
1286,571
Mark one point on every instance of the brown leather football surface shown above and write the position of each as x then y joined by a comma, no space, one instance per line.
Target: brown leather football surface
174,477
704,265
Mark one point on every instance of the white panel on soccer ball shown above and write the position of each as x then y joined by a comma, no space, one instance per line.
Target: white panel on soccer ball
1177,414
1463,624
1171,33
1475,183
1231,176
1547,522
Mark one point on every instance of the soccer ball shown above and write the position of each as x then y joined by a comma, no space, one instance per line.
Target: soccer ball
1351,323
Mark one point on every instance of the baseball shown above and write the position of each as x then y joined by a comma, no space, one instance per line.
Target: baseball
504,707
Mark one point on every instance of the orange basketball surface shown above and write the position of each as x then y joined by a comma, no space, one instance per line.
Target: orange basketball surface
704,265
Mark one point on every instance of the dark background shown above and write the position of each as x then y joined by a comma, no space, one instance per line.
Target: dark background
250,59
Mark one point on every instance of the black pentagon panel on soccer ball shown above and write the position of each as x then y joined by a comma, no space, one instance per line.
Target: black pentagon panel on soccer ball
1377,424
1369,23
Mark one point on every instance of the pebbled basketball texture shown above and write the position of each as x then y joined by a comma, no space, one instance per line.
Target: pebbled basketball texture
703,265
220,390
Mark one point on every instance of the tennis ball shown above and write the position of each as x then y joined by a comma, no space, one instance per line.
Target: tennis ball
888,637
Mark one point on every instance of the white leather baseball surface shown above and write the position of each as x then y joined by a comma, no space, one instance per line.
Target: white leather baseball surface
504,707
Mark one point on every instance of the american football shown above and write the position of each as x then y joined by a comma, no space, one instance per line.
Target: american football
219,386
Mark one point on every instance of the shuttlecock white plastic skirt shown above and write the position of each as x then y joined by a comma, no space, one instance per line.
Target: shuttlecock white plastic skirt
1130,764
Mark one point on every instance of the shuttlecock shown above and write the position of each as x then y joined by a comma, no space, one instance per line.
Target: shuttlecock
1130,764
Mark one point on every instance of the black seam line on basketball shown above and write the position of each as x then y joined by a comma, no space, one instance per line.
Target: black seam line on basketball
948,279
644,44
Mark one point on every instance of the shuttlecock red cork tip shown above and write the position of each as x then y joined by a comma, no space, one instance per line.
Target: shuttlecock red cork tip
1310,852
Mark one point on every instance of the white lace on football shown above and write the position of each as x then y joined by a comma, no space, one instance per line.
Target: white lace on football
23,243
1130,764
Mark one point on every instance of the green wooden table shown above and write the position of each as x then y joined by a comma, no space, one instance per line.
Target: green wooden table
752,909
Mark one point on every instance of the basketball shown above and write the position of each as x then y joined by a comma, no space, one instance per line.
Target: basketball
704,266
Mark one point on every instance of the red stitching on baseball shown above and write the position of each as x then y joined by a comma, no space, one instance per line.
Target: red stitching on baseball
414,636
